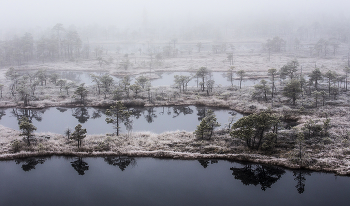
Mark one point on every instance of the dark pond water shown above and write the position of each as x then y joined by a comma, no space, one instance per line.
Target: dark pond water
165,78
153,119
148,181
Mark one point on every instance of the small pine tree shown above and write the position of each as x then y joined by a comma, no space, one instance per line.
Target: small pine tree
79,134
81,92
116,114
68,132
292,90
27,128
201,130
207,125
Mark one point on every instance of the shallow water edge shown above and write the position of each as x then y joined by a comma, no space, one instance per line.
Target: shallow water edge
252,158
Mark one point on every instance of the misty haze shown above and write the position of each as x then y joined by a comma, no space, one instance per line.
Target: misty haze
254,93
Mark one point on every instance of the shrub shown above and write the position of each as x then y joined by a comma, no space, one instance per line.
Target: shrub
270,141
16,146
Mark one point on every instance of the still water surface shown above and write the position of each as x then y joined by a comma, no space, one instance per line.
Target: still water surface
153,119
149,181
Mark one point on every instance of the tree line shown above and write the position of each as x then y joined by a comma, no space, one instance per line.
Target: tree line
60,44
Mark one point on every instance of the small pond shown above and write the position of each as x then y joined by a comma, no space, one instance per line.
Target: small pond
148,181
153,119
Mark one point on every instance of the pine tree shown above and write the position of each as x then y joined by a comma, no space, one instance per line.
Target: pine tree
116,114
273,73
241,74
79,134
252,128
292,90
27,128
207,125
81,92
315,76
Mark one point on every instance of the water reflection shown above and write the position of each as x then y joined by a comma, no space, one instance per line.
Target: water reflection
29,113
97,113
263,175
181,109
81,114
300,179
121,162
161,180
30,163
62,109
2,113
80,166
205,163
162,118
150,115
201,111
136,112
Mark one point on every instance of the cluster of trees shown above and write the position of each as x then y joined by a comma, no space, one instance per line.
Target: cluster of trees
275,45
27,128
322,47
295,84
259,129
60,44
325,47
23,85
204,79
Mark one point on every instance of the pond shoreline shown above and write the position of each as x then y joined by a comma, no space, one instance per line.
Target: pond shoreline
252,158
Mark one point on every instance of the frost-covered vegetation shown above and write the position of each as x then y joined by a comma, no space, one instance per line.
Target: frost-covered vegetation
304,81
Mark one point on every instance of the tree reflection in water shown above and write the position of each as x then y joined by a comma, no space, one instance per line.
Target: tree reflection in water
2,113
300,179
61,109
182,109
263,175
201,113
121,162
136,112
30,163
205,163
80,166
29,113
97,113
81,113
150,116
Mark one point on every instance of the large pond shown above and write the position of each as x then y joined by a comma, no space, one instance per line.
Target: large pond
148,181
164,78
153,119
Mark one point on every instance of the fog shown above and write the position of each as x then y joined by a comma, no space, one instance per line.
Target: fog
20,16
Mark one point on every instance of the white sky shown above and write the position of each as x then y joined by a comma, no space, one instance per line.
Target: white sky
46,13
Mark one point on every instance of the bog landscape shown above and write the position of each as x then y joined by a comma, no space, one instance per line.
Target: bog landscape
266,91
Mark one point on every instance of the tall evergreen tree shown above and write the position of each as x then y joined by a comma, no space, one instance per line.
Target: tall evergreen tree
292,90
117,114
